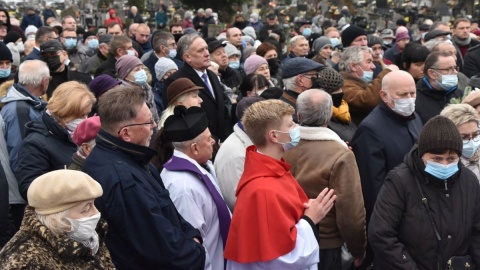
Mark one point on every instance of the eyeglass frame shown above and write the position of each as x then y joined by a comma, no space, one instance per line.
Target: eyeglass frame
152,122
471,138
450,70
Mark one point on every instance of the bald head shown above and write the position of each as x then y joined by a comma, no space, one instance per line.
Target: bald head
399,92
395,78
132,29
314,108
208,12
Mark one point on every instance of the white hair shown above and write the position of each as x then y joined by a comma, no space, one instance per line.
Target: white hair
314,107
352,55
32,72
57,222
290,83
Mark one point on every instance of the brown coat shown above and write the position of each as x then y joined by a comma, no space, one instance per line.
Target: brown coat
362,97
34,246
321,160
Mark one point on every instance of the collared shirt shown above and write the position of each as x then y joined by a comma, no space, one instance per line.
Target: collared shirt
208,79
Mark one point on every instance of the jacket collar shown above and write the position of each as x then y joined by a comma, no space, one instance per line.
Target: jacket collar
140,154
393,115
320,134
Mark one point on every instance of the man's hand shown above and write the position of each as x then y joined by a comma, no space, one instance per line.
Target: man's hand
317,208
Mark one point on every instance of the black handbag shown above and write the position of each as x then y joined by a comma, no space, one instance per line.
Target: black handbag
455,262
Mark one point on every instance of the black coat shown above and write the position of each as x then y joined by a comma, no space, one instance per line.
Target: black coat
380,143
145,229
107,67
430,102
344,131
230,77
471,65
46,147
400,231
218,116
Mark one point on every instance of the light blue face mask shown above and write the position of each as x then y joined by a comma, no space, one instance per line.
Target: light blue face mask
440,171
294,138
140,77
234,64
70,43
172,53
93,43
335,42
448,81
4,73
307,32
470,148
367,75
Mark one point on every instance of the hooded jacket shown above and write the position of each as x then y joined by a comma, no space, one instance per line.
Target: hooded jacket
20,107
11,27
46,147
400,231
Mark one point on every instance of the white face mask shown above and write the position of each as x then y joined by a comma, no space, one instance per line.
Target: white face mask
83,231
404,106
131,52
72,125
20,46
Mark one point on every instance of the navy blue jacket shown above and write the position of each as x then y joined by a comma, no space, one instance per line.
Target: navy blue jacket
31,20
34,55
380,143
46,147
145,229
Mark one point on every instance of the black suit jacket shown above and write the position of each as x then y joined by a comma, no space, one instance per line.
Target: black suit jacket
215,108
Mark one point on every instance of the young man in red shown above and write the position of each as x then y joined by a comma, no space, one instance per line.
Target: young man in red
274,223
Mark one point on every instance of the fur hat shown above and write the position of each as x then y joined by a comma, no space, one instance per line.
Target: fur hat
125,65
439,133
60,190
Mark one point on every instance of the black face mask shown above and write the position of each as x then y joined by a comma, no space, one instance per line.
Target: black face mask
337,99
273,66
316,83
177,37
240,25
53,63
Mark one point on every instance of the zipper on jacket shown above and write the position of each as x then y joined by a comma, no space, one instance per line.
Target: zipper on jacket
446,189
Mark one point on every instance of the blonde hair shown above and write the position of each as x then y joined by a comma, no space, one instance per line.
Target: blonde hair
169,110
263,116
69,100
460,114
57,223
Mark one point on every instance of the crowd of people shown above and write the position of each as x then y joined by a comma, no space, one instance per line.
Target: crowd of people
130,147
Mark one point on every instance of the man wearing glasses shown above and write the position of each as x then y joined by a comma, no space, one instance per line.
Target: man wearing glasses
145,229
299,74
438,86
43,35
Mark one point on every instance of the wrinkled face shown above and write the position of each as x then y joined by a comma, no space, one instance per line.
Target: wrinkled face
416,70
360,41
70,23
203,149
191,99
468,131
444,47
130,77
365,65
140,131
142,34
235,36
219,56
444,66
377,51
402,89
462,31
83,210
301,48
271,54
263,70
197,55
445,159
116,30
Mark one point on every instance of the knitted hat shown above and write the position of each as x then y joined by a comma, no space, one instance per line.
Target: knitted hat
439,133
102,84
249,31
59,190
5,53
351,33
15,54
31,29
244,104
185,124
401,36
180,87
247,52
254,16
321,42
163,66
330,80
231,50
253,63
374,40
87,35
248,39
125,65
11,36
86,131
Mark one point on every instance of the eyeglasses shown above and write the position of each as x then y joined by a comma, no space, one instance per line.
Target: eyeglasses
475,137
449,70
151,122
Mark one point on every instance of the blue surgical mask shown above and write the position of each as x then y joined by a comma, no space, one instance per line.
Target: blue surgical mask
4,73
307,32
140,77
335,42
448,81
367,75
172,53
440,171
234,64
70,43
93,43
294,138
470,148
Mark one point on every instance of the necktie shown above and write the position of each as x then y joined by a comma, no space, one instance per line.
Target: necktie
205,80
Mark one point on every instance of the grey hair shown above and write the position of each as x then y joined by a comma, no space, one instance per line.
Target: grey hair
460,114
431,44
436,48
290,83
57,222
295,39
32,72
182,145
352,55
161,38
188,14
185,41
314,106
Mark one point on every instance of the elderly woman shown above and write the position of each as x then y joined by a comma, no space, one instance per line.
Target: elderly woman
466,118
61,228
180,92
48,144
256,64
131,72
427,209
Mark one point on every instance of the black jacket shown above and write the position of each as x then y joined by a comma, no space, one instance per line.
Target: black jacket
218,116
145,229
230,77
46,147
263,34
107,67
471,65
66,75
380,143
344,131
430,102
400,231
